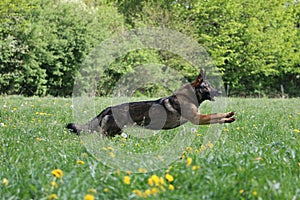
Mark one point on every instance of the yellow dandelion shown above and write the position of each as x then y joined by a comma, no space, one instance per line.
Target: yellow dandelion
105,190
195,167
155,179
126,180
242,191
210,145
89,197
171,187
110,148
128,172
53,184
5,181
138,193
154,190
299,164
14,109
254,193
169,178
142,170
111,154
161,180
150,181
58,173
147,192
188,148
188,161
83,155
296,130
52,196
92,190
80,162
203,147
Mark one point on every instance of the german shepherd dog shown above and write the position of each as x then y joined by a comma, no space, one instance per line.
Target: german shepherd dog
164,113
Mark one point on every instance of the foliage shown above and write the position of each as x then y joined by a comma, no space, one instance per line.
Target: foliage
43,54
256,157
254,44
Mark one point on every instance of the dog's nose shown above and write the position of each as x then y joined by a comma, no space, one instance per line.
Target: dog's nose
216,92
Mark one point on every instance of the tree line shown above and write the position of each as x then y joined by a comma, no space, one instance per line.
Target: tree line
254,44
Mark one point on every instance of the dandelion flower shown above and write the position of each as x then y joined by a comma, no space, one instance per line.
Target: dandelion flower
296,130
80,162
110,148
242,191
169,178
58,173
195,167
52,196
150,181
142,170
155,179
188,161
147,192
154,190
5,181
171,187
126,180
161,180
92,190
89,197
188,148
53,184
254,193
105,190
128,172
138,193
111,154
210,145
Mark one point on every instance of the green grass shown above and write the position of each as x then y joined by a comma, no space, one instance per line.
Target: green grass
256,157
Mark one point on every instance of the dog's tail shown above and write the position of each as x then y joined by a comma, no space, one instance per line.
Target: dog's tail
74,128
91,126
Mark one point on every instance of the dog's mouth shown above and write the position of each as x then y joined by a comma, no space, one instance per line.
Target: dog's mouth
214,94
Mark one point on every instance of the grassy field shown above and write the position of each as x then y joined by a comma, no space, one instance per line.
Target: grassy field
256,157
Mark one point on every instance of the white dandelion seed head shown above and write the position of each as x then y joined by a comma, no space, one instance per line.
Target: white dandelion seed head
123,135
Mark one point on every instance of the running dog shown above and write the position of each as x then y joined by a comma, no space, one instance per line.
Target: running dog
164,113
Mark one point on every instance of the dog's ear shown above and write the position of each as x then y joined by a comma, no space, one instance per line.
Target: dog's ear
199,78
202,74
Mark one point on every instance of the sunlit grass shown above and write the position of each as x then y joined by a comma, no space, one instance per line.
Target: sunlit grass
256,157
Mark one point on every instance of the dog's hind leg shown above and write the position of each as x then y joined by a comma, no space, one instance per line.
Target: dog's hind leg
109,127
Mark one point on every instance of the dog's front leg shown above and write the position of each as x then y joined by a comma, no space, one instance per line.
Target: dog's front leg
218,118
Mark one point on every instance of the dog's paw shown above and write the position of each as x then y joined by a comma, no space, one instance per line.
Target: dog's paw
229,120
230,114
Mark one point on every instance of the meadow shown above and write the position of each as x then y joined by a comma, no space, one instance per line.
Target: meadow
256,157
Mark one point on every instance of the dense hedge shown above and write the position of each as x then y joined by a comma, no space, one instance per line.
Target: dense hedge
254,44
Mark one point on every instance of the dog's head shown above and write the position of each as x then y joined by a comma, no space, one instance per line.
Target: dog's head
203,89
